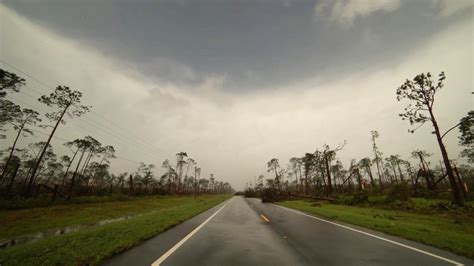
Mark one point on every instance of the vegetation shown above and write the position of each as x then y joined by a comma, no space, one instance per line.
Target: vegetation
85,211
92,245
35,170
451,231
321,175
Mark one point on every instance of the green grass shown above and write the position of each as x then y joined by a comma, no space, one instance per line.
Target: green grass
26,221
18,203
96,243
453,232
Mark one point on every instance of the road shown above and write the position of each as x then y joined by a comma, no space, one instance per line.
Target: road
247,232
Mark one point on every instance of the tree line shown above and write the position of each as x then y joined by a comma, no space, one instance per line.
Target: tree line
36,169
321,174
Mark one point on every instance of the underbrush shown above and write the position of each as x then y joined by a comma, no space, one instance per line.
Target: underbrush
22,203
421,205
403,197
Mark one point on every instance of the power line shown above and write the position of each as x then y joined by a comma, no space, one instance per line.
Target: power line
92,111
25,103
47,134
120,143
55,137
52,90
125,159
31,89
97,125
117,126
29,95
133,145
117,134
26,74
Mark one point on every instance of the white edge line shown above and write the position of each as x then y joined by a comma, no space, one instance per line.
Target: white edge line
181,242
374,236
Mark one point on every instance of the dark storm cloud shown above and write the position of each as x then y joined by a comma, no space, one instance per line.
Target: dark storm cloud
254,44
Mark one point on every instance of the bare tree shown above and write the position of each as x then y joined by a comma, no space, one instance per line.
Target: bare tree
378,157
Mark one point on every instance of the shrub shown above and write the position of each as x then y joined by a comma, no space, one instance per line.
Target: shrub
360,197
398,191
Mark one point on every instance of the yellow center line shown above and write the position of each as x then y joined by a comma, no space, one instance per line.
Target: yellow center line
264,218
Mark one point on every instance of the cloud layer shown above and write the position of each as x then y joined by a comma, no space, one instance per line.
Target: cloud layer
345,12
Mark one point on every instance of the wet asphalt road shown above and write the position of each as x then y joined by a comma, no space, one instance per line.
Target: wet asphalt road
238,235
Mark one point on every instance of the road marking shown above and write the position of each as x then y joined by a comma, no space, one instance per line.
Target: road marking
181,242
264,218
374,236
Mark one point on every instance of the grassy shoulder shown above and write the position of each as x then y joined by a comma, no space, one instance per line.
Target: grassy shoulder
20,222
94,244
453,232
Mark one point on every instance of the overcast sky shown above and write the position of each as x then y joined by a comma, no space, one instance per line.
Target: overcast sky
236,83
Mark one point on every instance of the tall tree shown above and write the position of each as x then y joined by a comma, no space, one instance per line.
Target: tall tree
146,172
273,165
377,157
94,148
180,162
294,166
421,93
366,164
197,175
189,165
66,160
107,152
394,162
309,163
82,145
27,117
67,101
171,173
328,156
48,156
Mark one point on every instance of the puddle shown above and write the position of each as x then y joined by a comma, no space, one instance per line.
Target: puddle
107,221
56,232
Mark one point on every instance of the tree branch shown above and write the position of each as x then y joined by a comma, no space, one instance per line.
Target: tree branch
458,124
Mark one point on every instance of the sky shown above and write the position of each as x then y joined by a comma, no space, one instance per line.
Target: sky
236,83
